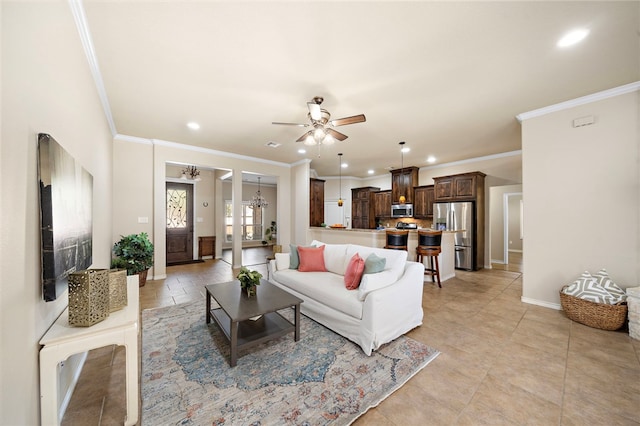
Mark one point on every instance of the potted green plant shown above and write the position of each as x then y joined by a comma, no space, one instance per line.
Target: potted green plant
272,232
249,280
135,254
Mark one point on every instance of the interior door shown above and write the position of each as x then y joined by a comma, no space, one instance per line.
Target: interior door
179,222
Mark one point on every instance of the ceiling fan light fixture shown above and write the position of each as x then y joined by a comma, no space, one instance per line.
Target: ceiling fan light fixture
328,140
309,140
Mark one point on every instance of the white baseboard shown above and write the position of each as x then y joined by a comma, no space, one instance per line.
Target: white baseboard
542,303
499,261
514,251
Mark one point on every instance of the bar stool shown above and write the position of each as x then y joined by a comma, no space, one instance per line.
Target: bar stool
429,243
397,239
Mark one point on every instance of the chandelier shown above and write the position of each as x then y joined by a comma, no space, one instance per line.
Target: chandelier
258,200
191,173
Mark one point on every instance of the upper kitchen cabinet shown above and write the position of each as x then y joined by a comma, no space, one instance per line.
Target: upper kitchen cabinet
362,207
402,183
382,204
316,200
461,187
423,204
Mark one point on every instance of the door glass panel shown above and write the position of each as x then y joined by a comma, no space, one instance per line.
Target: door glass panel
176,208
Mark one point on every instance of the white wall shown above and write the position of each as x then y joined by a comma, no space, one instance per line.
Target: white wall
46,87
581,196
148,196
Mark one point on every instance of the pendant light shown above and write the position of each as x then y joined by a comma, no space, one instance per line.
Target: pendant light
340,202
402,199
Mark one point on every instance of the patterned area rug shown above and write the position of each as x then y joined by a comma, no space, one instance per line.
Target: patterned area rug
323,379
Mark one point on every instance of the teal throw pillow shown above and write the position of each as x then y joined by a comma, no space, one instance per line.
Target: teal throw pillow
374,264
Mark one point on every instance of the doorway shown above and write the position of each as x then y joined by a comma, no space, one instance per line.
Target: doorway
513,231
179,239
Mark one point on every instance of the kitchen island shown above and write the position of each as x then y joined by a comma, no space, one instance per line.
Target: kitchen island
377,238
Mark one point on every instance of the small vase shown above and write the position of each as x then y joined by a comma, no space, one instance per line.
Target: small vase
250,291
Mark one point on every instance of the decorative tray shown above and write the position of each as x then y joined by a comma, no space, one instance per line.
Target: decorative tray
337,226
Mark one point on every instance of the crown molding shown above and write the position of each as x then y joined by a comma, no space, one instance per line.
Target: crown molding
80,18
475,160
132,139
185,147
605,94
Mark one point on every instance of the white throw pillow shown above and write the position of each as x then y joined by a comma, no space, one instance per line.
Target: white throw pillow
282,261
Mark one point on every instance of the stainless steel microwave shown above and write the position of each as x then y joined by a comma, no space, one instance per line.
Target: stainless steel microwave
402,210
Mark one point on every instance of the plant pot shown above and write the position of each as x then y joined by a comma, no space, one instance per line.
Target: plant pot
142,278
250,291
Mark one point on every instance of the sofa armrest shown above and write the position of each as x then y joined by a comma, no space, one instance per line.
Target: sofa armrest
402,298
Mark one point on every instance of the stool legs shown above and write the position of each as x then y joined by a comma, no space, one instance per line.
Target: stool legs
433,269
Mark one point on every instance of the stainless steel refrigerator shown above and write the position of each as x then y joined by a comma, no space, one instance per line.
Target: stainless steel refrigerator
459,217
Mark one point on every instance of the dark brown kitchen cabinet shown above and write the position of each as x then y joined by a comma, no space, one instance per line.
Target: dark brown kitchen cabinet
402,183
316,200
462,187
362,207
423,203
382,204
466,187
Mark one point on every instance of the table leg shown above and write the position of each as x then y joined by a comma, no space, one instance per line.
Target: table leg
296,309
234,344
208,313
131,373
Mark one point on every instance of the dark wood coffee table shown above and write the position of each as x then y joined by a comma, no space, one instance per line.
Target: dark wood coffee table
236,310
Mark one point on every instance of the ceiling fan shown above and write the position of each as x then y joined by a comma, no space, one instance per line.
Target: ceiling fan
320,120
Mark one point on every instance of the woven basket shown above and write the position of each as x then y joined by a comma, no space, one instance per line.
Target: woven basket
596,315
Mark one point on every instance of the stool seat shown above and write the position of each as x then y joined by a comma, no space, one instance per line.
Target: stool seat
429,247
397,239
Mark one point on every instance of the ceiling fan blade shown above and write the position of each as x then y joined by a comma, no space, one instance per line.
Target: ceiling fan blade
290,124
303,137
314,110
348,120
336,135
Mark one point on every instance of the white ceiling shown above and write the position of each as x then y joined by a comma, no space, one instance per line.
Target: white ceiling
446,77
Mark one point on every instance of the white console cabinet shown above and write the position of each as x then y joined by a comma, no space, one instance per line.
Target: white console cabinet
63,340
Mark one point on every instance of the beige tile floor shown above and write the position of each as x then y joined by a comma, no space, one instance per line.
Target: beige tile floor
503,362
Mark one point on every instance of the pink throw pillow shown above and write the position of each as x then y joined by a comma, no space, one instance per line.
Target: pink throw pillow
311,259
354,272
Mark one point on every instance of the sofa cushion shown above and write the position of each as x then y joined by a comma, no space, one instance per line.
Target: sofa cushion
282,261
354,272
374,264
324,287
335,256
311,259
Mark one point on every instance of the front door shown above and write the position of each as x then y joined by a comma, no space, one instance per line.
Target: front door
179,222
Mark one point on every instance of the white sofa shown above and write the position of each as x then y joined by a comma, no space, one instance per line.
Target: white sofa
386,305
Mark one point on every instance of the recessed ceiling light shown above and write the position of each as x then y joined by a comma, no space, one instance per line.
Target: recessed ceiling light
431,159
572,37
193,125
345,165
302,151
370,171
405,149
